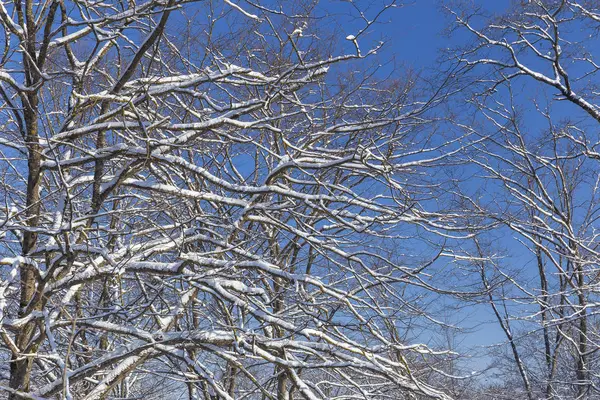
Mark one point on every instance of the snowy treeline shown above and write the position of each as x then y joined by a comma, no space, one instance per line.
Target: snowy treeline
247,200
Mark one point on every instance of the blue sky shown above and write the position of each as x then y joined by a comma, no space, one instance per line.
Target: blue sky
416,31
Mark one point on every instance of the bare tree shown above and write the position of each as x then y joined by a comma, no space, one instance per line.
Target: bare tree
534,77
194,205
